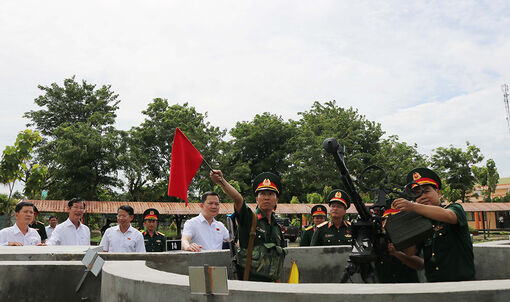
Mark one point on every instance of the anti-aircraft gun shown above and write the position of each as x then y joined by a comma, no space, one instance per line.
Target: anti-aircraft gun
369,239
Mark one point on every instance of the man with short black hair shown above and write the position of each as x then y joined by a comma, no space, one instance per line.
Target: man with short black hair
204,232
53,223
72,231
20,234
123,237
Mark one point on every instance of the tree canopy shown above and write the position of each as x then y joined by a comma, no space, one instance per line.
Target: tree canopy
81,153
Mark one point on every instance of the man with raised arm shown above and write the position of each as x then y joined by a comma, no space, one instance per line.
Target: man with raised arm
267,254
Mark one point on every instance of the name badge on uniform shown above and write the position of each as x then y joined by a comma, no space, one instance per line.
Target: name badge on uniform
158,241
328,235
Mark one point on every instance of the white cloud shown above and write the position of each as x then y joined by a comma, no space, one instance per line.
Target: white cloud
247,57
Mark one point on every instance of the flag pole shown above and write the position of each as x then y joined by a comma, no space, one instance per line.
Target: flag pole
207,164
210,168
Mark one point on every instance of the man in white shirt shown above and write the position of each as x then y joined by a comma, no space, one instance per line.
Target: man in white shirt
20,234
53,223
72,231
204,232
123,237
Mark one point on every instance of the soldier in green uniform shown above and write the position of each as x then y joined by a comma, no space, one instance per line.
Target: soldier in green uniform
154,240
38,226
337,231
319,215
391,268
448,255
268,253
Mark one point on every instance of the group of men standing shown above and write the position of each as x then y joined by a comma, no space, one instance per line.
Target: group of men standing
446,256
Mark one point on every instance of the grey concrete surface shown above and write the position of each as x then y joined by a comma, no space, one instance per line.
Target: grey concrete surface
46,281
162,277
141,283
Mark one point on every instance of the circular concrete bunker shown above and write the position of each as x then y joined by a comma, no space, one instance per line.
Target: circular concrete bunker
163,277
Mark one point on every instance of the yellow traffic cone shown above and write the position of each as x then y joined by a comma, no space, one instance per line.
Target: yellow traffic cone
294,273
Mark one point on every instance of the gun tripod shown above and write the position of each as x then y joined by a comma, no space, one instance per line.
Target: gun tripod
366,271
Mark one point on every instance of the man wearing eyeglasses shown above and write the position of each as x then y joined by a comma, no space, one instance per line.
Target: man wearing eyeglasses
72,231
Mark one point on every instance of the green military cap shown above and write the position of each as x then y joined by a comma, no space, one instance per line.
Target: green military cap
151,213
319,210
267,181
424,176
36,211
339,196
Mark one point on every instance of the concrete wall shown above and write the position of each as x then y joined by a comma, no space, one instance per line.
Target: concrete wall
141,283
162,276
46,281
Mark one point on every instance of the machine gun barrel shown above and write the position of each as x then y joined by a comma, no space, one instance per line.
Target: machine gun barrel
332,146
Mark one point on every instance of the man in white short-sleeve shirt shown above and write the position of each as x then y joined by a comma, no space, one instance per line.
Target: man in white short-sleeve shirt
53,224
72,231
123,237
20,234
204,232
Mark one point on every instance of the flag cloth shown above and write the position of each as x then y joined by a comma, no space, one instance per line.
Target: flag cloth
294,274
184,164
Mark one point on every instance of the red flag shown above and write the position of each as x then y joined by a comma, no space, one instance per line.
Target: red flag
184,164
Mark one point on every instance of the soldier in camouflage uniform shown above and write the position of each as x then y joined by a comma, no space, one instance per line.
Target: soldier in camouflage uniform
337,231
319,215
154,240
268,253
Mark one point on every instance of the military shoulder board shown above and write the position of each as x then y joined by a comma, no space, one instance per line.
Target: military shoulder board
323,224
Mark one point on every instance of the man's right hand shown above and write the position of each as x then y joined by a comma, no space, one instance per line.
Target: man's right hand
12,243
216,176
193,248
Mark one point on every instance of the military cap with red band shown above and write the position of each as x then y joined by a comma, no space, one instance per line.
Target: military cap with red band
267,181
339,196
424,176
151,214
319,210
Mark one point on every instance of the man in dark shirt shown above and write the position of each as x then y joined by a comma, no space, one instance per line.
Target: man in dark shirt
319,215
154,240
337,231
448,255
38,226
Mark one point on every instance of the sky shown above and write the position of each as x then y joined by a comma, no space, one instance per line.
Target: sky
428,71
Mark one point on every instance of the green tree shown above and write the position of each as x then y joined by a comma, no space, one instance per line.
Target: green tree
311,167
454,166
147,160
487,176
80,147
13,165
398,158
260,145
